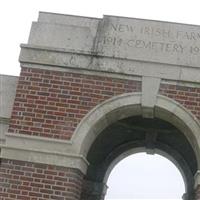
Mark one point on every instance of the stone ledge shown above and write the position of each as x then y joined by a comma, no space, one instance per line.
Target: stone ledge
58,58
45,157
42,150
36,142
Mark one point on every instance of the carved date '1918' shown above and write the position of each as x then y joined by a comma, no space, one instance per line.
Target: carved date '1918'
168,47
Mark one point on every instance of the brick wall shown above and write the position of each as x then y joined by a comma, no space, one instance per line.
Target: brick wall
51,104
32,181
189,97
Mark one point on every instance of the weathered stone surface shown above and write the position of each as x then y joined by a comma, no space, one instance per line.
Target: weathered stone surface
70,20
8,86
147,40
72,38
120,37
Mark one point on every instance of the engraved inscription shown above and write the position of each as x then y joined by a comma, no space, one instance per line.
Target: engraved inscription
151,38
122,27
157,46
156,32
145,44
164,33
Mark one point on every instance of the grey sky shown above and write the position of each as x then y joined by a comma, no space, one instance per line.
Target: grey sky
147,177
16,18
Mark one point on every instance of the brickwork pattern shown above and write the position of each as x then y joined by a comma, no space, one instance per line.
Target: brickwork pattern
51,103
189,97
32,181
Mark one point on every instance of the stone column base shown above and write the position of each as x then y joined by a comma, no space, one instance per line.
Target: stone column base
197,193
93,190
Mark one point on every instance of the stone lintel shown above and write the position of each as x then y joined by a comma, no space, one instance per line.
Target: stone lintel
120,37
115,44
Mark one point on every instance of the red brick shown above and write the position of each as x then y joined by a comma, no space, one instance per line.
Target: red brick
187,96
59,95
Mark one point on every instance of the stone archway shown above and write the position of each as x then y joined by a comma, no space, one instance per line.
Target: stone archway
114,116
129,104
128,134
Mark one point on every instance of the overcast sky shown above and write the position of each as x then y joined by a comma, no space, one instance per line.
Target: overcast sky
16,18
143,176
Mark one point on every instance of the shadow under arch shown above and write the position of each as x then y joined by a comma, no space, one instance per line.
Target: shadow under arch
133,135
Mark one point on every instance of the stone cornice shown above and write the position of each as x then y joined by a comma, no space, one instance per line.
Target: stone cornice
42,150
54,59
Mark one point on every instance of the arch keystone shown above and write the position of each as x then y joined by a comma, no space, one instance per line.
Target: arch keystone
150,87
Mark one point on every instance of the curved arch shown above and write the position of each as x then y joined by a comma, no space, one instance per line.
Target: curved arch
103,171
129,104
103,115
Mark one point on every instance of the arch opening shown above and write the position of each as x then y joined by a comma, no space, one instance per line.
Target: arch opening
144,176
132,135
127,105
